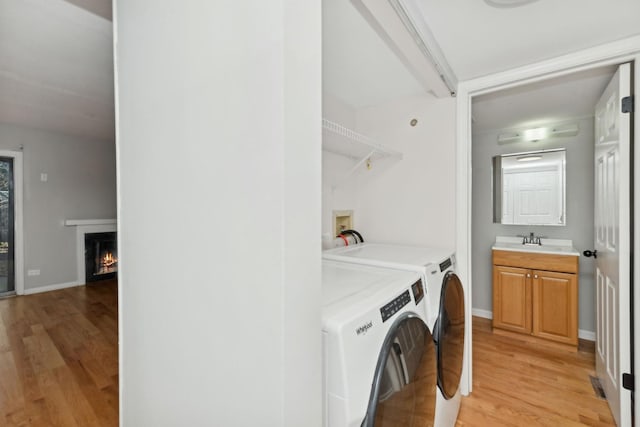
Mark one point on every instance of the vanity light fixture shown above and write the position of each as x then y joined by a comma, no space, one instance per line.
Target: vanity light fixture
528,158
540,133
535,135
505,138
570,129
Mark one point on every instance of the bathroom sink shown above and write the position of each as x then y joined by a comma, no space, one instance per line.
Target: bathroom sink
548,246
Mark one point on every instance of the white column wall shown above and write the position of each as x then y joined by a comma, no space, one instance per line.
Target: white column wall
219,109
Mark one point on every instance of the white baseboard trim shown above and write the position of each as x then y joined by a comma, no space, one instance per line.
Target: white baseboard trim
48,288
586,335
482,313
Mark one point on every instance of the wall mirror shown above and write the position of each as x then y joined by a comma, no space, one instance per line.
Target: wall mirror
529,188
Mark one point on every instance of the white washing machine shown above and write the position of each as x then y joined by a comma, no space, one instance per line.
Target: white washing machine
445,308
380,364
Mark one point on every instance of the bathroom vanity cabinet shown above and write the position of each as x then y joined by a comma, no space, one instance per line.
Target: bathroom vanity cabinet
537,294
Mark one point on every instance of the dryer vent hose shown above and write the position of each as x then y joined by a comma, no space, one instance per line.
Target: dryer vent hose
347,238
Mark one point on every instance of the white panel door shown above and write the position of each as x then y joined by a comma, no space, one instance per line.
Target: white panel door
536,198
507,198
612,241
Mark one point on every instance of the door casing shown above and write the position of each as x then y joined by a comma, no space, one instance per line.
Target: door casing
626,50
18,218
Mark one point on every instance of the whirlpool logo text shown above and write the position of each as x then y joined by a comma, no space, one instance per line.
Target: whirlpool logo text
364,328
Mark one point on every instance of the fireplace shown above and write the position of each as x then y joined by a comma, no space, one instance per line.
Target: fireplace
101,256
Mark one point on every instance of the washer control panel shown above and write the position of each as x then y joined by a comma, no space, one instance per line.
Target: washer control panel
392,307
445,264
418,291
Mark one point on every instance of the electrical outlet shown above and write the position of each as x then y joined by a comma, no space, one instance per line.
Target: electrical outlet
33,272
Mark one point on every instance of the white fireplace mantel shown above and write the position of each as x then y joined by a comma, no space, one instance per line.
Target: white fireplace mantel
84,226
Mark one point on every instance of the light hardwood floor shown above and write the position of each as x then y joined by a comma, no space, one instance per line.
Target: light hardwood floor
59,358
59,367
524,382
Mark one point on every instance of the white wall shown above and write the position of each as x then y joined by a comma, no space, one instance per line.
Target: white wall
411,201
81,184
579,213
219,160
338,193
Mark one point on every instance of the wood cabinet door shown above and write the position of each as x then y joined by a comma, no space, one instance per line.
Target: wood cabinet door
555,306
512,299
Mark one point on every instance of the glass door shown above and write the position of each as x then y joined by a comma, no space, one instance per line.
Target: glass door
404,385
7,276
450,335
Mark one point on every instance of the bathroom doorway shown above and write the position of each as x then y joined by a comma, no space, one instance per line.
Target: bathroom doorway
500,123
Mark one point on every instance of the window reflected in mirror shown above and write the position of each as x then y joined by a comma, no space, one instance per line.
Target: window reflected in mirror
529,188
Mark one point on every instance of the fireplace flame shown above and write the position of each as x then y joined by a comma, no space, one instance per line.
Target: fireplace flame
108,260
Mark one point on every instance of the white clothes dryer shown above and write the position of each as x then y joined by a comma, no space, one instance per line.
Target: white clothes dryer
380,365
445,308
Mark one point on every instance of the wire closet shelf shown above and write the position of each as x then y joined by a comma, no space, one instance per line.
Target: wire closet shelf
363,150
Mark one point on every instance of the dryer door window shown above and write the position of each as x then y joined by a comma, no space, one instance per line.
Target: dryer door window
404,386
450,335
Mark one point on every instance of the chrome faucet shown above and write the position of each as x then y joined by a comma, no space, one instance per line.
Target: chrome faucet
531,239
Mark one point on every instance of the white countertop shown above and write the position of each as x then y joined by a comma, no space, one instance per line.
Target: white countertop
549,246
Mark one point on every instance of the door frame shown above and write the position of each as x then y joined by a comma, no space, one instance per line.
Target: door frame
18,256
626,50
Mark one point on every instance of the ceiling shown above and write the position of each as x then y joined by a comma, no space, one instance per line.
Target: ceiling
358,67
56,66
476,39
547,102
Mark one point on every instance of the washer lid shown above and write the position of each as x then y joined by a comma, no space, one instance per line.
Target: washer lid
340,280
395,256
350,289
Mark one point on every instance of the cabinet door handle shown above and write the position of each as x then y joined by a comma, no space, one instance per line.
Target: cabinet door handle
528,274
535,276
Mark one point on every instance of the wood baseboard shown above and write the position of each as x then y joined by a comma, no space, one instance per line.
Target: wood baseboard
587,346
533,339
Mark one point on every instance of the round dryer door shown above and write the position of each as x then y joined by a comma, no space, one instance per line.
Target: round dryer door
450,335
405,382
